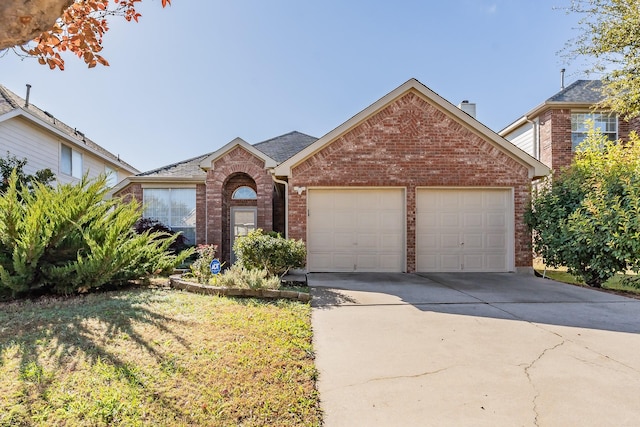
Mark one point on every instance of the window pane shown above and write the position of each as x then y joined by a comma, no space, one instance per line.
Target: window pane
183,207
244,193
189,234
576,139
112,176
76,164
607,124
156,202
65,160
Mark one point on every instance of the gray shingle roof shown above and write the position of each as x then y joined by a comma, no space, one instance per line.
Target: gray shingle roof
183,169
9,101
279,149
285,146
580,91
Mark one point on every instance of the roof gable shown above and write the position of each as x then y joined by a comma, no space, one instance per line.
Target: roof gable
207,162
536,169
285,146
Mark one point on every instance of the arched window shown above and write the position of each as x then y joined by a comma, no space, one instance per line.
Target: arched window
244,193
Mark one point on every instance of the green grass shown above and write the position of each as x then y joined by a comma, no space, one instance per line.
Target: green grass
617,283
156,357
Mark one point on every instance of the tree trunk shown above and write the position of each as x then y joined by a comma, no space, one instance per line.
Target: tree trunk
23,20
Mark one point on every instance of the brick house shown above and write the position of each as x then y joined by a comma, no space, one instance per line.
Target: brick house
411,183
551,131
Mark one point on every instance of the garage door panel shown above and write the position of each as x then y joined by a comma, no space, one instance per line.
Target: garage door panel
474,219
366,228
473,201
392,243
497,262
463,229
496,242
473,261
449,241
389,221
321,260
473,242
449,219
341,241
496,219
343,261
367,242
389,262
448,262
367,262
320,242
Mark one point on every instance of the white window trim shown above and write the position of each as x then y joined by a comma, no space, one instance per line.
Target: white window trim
77,160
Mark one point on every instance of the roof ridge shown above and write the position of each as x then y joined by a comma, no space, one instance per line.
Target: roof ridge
283,135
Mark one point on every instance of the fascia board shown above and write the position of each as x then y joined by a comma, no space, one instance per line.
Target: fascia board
207,163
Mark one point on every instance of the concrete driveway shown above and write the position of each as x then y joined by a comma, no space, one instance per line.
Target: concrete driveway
473,350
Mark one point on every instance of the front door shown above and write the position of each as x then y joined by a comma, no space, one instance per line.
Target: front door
243,220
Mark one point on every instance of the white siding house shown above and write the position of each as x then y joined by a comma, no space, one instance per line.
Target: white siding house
28,132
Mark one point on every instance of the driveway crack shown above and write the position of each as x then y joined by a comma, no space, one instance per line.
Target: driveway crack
397,377
527,371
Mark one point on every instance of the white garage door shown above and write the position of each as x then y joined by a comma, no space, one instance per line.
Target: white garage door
355,230
464,230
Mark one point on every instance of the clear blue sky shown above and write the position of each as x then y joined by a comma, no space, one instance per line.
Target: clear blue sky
188,79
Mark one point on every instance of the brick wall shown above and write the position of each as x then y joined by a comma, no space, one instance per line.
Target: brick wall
411,143
555,137
132,191
232,184
237,162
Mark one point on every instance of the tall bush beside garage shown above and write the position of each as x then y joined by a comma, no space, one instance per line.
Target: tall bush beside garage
70,239
588,217
270,252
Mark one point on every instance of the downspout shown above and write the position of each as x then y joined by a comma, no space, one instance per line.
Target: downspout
286,203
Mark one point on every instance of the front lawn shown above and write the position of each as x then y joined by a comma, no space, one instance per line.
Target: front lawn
615,284
156,357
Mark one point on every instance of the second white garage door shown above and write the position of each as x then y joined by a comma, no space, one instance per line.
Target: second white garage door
464,230
355,230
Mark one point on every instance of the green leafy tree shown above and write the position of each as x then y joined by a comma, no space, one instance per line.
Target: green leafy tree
11,163
610,37
70,239
587,218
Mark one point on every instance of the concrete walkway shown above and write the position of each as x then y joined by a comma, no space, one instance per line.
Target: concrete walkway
473,350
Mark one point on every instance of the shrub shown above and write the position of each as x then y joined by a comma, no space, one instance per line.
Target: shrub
69,239
274,254
588,217
240,277
200,268
155,226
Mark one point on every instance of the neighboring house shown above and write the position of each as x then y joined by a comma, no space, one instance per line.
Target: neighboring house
28,132
552,130
411,183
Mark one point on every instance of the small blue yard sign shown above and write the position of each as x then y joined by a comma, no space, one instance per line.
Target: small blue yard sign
215,266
